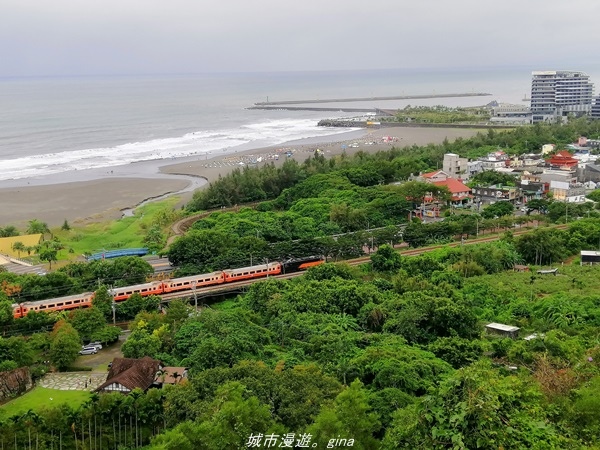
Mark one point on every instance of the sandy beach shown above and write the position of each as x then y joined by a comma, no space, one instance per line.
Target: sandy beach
102,195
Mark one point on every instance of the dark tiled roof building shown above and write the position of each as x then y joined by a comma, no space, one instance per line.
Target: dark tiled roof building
127,374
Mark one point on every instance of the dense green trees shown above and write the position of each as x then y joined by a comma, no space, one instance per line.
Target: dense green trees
477,408
65,345
498,209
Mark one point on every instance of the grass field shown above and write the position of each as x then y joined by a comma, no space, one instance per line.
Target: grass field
128,232
40,397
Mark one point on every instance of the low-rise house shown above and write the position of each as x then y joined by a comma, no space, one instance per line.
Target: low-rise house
432,177
127,374
591,172
532,160
473,168
567,192
495,193
494,160
460,193
568,176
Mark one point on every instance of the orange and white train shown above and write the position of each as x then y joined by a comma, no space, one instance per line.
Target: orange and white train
84,300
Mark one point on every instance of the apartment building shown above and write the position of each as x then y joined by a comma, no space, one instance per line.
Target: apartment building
559,93
455,166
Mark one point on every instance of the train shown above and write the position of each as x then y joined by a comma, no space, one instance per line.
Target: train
192,282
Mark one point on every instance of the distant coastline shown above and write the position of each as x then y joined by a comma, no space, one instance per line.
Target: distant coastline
104,197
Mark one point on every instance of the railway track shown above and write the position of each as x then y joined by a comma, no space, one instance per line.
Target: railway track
241,286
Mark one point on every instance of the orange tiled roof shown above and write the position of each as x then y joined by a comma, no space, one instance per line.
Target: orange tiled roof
454,185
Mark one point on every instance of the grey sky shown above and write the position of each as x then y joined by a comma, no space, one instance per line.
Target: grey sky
185,36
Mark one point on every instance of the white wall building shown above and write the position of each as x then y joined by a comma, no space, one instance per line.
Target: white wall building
558,93
507,113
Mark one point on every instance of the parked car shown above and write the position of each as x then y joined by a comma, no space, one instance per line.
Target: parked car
98,345
88,351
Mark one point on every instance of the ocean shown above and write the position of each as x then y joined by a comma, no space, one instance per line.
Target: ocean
57,126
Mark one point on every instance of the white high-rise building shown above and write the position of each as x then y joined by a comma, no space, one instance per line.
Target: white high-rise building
558,93
596,108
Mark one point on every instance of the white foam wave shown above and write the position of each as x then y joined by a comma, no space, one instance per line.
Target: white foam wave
273,132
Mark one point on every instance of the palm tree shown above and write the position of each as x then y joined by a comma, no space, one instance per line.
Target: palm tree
37,227
18,247
9,231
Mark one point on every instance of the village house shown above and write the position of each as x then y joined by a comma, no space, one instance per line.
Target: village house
567,192
496,193
494,160
127,374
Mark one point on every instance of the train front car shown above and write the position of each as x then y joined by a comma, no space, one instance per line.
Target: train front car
55,304
123,293
246,273
193,282
298,264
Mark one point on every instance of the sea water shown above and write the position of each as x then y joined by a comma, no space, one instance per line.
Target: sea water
60,125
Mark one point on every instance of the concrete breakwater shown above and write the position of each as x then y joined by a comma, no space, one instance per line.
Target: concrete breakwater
374,124
316,108
370,99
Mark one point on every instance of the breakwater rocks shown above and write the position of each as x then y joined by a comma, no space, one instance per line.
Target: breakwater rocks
376,124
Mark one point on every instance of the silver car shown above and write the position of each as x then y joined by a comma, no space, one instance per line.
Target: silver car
88,351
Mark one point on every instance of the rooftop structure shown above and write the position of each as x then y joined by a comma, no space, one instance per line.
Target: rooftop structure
502,329
590,257
558,93
127,374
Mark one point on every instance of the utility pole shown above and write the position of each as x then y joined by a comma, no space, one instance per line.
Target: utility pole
113,305
195,296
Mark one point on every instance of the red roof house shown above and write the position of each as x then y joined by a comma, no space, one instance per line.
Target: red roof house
432,177
563,159
460,192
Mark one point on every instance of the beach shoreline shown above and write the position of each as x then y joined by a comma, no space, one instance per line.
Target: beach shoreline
98,195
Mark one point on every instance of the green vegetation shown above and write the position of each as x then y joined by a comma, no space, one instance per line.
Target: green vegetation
442,114
152,219
392,354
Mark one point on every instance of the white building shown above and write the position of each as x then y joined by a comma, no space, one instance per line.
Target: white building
507,113
567,192
558,93
596,108
493,160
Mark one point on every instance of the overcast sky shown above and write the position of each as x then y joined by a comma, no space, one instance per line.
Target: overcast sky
77,37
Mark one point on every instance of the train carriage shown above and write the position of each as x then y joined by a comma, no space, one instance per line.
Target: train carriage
304,263
123,293
246,273
55,304
193,282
